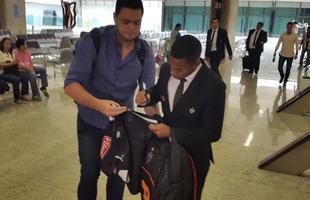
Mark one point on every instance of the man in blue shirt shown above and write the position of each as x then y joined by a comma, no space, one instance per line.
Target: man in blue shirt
103,84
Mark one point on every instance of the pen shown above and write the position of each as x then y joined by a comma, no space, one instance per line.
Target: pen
144,86
145,92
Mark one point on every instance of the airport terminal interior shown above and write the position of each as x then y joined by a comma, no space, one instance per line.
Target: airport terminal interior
264,151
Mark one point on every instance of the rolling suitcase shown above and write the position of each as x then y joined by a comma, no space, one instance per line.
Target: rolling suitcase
246,62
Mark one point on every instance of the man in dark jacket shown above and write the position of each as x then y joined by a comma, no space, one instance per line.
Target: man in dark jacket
196,122
217,39
255,46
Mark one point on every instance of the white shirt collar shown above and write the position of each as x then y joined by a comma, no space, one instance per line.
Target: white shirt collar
191,77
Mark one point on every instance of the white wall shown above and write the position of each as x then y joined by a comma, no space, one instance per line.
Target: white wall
100,15
36,9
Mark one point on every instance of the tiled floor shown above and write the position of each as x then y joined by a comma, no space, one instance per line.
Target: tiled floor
39,146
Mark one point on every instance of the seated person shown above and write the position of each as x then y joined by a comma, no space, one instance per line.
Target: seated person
7,71
28,71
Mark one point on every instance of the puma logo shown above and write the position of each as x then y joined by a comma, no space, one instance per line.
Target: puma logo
121,158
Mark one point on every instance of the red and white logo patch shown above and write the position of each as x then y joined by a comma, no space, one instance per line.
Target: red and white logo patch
105,146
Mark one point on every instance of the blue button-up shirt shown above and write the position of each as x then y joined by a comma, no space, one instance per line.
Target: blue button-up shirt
106,76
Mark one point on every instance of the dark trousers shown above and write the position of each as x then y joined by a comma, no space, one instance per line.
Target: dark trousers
289,62
302,56
43,76
215,61
202,173
254,57
32,78
89,141
14,80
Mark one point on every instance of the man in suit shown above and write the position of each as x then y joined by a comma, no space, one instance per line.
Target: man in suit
255,46
196,122
217,39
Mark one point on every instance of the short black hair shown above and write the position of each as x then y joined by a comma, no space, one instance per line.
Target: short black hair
186,47
132,4
215,18
20,42
260,23
290,23
295,22
178,25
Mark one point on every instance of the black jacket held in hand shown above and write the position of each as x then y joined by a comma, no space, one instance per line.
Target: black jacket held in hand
123,147
198,116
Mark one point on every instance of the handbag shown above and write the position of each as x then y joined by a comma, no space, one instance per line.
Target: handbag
11,70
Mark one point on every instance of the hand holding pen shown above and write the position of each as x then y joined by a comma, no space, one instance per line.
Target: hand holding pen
143,97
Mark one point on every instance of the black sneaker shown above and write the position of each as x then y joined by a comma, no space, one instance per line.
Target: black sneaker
36,98
44,91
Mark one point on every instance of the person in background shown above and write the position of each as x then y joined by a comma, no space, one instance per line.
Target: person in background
287,53
8,73
27,71
103,86
175,34
217,40
295,27
305,47
255,46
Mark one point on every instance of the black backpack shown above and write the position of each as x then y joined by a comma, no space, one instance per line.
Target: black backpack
168,172
124,145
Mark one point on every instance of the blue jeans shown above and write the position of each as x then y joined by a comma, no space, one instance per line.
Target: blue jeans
32,78
89,141
15,80
43,76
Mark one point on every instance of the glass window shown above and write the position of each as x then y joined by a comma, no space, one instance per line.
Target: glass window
192,18
282,16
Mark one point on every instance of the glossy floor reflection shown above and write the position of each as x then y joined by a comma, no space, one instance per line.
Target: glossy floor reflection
39,146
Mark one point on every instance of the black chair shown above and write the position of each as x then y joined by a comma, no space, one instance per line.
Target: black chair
33,44
41,36
22,36
32,36
50,36
6,32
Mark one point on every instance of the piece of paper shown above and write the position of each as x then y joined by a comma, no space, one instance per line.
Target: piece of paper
150,120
